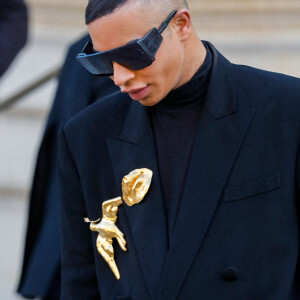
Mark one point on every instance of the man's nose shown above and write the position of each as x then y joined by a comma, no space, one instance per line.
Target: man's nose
121,74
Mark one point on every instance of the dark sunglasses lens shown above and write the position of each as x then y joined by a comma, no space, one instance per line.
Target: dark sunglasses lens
131,56
96,65
136,55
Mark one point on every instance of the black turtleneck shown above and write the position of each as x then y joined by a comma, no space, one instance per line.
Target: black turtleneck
175,120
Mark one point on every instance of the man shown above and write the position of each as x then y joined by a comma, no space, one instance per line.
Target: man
220,218
13,31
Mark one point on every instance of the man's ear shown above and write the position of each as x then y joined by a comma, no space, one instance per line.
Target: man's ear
182,23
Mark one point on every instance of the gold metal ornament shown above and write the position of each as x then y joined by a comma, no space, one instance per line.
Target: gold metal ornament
135,185
108,230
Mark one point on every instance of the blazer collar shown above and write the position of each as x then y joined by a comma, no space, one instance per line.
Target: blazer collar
147,222
221,95
220,102
136,123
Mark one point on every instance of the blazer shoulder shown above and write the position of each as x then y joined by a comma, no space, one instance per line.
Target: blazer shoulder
260,88
272,80
105,115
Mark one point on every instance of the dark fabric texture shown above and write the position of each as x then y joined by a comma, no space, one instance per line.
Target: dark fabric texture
41,266
175,120
248,135
13,30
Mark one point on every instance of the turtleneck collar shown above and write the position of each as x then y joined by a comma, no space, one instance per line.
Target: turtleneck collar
192,90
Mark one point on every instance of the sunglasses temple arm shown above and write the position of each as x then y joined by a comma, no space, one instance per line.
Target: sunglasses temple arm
165,24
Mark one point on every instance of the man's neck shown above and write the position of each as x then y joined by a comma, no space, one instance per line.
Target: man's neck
194,58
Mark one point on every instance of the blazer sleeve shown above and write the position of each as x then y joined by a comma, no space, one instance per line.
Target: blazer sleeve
78,269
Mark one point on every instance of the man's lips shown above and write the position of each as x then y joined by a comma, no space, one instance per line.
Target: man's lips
137,94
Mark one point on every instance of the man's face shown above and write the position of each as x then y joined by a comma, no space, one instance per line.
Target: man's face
132,21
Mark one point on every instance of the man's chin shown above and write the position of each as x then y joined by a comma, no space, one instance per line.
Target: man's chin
149,102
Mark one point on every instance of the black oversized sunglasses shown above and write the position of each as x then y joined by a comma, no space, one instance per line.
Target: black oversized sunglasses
135,55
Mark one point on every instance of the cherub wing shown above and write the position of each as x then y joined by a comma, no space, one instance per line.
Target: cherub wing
106,249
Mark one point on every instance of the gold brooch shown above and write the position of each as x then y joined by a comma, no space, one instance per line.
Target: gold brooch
108,230
135,186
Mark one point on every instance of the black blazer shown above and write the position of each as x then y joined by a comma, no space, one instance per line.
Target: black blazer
236,235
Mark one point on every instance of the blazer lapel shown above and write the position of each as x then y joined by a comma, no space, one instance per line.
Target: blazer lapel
135,150
221,132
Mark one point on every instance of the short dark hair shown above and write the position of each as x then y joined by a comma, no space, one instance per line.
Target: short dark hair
100,8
